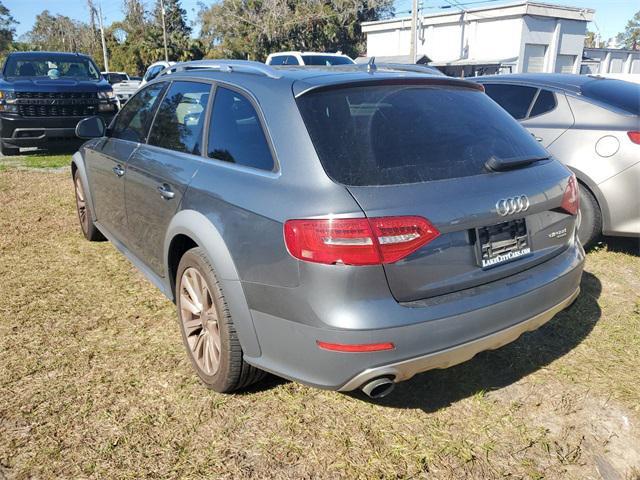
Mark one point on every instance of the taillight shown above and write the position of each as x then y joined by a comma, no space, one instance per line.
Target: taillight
357,241
634,137
571,197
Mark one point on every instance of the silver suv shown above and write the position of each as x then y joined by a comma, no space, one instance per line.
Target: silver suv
347,228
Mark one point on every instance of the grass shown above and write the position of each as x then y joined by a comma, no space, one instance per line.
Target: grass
36,161
47,161
94,381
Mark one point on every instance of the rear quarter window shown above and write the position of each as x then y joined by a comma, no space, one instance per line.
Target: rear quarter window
393,134
515,99
545,102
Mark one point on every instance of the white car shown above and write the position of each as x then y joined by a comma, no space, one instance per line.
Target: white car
123,86
308,58
154,70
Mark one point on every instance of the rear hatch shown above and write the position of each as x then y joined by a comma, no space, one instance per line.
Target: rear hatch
447,153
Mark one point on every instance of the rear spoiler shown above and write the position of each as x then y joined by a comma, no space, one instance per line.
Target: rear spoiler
302,87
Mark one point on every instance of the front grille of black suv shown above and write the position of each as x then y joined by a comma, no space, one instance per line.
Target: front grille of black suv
56,104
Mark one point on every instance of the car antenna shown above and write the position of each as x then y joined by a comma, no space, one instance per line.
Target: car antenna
371,65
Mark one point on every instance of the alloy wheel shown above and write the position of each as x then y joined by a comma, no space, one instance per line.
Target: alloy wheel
81,204
200,321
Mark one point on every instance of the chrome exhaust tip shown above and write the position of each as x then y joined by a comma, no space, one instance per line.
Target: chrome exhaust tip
378,388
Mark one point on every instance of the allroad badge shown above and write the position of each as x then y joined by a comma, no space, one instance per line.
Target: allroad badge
509,206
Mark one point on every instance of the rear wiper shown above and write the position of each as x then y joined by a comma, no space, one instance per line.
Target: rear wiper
500,164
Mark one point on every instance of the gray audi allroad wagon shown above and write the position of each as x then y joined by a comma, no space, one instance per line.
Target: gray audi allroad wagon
346,227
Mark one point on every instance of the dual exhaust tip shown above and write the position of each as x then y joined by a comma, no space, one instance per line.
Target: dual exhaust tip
379,387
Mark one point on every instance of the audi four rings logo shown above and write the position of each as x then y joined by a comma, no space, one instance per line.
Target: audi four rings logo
509,206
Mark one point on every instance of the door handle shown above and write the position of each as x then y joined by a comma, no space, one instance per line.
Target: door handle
538,139
118,170
165,191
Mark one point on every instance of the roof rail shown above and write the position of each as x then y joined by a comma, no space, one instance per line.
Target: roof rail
229,66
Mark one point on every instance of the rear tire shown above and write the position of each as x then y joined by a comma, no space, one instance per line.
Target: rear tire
591,222
207,328
89,229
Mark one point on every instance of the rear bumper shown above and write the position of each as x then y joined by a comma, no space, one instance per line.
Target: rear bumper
406,369
451,332
19,131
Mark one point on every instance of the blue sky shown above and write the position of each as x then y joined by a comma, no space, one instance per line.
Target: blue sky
611,15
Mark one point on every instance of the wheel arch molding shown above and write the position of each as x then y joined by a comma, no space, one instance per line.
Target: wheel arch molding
202,231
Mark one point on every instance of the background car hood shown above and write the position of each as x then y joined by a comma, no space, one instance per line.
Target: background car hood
48,85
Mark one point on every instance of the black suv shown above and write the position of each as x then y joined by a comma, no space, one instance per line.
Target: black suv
43,96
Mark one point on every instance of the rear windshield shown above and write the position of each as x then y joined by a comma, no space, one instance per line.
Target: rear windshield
326,60
52,65
393,134
617,93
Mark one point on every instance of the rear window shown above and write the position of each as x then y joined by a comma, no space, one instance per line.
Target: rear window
326,60
393,134
617,93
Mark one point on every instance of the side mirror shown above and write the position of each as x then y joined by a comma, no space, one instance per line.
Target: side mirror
92,127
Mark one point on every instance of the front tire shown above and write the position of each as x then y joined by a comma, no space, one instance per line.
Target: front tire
591,223
207,328
89,229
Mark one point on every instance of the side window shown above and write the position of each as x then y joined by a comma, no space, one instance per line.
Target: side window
515,99
235,133
132,123
178,123
278,60
291,60
545,102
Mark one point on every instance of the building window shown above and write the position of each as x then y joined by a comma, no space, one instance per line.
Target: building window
534,58
564,63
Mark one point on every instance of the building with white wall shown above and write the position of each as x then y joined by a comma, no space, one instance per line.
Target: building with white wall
610,61
526,36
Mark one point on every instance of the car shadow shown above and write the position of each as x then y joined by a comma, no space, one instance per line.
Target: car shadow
628,245
492,370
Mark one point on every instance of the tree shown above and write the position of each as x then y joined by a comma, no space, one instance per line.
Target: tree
175,17
630,38
591,40
7,29
180,45
255,28
61,33
127,49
